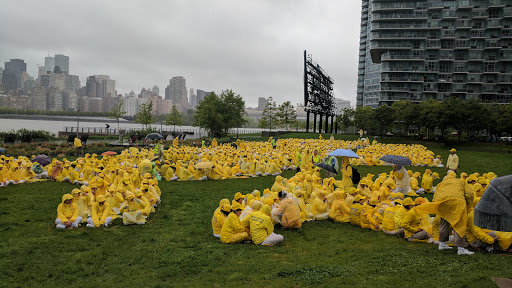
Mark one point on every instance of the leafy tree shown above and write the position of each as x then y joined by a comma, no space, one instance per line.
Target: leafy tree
346,119
363,118
405,114
174,118
286,115
428,114
145,115
217,114
383,118
269,118
117,112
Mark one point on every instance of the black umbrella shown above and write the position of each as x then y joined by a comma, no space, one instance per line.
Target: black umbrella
154,136
42,159
326,167
396,159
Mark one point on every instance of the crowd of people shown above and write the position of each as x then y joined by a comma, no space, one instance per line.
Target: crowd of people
374,204
126,185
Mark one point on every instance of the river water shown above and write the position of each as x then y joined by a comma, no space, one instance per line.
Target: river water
56,126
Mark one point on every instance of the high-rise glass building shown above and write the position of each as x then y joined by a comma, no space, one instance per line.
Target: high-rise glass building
63,62
435,49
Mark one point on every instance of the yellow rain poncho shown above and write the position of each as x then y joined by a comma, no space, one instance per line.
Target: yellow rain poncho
99,213
339,212
232,230
67,212
451,199
260,224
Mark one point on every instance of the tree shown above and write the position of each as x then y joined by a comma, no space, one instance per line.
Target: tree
174,118
269,118
346,119
383,117
145,115
218,114
286,115
405,114
117,112
363,117
428,114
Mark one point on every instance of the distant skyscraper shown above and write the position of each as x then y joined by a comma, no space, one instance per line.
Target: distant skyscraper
49,64
11,76
63,62
178,90
156,90
341,104
262,102
100,86
201,95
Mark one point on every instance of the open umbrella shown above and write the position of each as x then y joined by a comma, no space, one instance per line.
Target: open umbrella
494,210
203,165
326,167
344,153
108,153
396,159
42,159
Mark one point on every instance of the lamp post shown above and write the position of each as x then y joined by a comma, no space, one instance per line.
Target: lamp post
78,117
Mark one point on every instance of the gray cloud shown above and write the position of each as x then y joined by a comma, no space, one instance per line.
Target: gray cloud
253,47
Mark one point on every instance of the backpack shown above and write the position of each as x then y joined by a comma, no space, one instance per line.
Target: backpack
356,177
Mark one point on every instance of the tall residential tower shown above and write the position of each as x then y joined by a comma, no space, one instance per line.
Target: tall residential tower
435,49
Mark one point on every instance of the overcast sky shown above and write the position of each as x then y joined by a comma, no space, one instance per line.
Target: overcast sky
252,47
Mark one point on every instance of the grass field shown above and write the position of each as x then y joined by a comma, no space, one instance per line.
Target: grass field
177,248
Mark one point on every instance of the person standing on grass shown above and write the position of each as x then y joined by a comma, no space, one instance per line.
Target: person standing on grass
452,199
453,161
78,146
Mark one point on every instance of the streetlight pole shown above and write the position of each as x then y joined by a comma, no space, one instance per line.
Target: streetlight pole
78,117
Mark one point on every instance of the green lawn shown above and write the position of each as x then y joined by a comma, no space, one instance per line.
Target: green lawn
177,248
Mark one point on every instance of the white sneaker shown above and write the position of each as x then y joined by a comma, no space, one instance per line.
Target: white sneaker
90,226
464,251
443,246
61,226
489,249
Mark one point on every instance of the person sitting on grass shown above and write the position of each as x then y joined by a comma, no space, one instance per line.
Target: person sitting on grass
132,210
232,231
100,213
288,211
219,216
261,227
67,213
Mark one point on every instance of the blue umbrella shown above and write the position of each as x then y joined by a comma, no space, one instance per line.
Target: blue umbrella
344,153
396,159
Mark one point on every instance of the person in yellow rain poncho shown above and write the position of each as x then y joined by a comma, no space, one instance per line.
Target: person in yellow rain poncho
427,181
415,183
400,214
355,210
100,213
346,172
478,237
288,211
402,179
453,161
261,227
320,207
78,146
339,212
232,231
67,213
81,202
219,215
132,210
451,201
411,224
388,218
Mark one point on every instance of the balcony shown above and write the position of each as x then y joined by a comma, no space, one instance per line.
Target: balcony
402,58
480,15
400,16
498,3
385,7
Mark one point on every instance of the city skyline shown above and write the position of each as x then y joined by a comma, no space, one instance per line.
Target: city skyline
214,46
